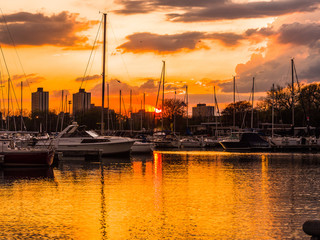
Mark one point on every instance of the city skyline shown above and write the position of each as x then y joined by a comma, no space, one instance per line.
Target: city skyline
204,44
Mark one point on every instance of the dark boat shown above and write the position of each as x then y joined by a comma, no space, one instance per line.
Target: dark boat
12,156
248,141
27,158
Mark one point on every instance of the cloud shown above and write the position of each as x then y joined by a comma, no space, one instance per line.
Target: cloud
88,78
298,40
36,29
213,10
58,93
300,34
151,42
27,79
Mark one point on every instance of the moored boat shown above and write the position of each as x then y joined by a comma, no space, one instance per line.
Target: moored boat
25,157
248,141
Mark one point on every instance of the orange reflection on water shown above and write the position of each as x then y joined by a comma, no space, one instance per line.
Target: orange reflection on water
163,196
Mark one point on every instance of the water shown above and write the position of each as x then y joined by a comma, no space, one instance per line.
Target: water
167,195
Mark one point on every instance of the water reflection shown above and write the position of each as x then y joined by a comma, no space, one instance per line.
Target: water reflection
171,195
26,173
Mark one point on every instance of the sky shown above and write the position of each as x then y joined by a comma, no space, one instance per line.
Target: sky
57,45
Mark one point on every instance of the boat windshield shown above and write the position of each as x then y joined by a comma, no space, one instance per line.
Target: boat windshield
92,134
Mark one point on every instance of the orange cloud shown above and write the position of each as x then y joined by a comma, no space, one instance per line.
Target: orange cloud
27,80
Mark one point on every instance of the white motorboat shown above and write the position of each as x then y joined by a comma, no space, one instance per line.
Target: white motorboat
77,140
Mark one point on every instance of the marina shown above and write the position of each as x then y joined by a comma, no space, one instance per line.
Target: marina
159,119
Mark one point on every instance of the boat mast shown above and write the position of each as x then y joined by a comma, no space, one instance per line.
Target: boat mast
272,125
216,105
144,110
103,69
252,102
21,107
234,103
8,104
174,111
108,120
130,111
292,91
120,110
187,100
163,79
141,116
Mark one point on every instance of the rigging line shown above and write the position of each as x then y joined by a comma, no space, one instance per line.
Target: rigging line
92,61
14,46
121,55
14,93
13,115
299,89
5,62
95,41
124,106
245,113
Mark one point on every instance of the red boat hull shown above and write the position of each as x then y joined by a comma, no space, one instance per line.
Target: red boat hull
28,158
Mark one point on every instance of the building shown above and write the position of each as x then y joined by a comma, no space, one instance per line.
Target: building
81,101
203,111
40,101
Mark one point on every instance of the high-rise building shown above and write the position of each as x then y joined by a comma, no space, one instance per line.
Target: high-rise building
81,101
203,111
40,101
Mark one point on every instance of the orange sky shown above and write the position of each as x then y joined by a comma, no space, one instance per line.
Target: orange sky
203,42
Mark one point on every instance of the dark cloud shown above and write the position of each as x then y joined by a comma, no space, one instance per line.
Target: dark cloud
88,78
150,42
149,86
27,79
300,34
137,7
36,29
229,10
212,10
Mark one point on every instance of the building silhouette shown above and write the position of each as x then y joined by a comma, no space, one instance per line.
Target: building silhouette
81,101
40,101
202,111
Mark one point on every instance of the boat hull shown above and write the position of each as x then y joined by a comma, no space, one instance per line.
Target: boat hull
105,149
27,158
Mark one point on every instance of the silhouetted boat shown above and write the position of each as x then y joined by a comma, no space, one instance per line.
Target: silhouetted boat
248,141
25,157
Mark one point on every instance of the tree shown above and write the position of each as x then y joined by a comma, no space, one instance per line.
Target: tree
241,108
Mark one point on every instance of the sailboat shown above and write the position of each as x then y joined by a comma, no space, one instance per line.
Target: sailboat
287,142
75,140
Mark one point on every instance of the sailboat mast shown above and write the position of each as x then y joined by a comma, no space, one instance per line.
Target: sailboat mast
8,104
234,102
272,125
21,106
108,113
187,102
103,69
216,120
292,91
252,102
163,79
130,111
120,110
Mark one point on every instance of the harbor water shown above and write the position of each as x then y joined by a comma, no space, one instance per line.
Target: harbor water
164,195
